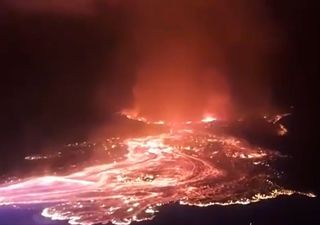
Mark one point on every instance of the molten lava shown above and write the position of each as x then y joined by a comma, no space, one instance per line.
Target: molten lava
208,119
191,166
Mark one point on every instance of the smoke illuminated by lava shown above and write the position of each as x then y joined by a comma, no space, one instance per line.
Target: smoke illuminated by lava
188,58
198,57
194,61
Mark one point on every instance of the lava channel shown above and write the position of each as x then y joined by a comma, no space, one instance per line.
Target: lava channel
185,166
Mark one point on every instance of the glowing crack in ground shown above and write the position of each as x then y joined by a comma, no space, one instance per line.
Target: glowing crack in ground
186,166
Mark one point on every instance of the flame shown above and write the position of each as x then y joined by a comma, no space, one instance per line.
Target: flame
208,119
275,119
135,116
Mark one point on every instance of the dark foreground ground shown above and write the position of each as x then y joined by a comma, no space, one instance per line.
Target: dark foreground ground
289,211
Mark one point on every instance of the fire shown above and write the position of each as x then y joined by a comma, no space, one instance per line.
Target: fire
135,116
132,115
282,130
208,119
180,74
184,165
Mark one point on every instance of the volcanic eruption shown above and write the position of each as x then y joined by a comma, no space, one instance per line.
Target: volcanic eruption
197,58
199,65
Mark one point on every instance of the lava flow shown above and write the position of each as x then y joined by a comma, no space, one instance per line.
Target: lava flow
189,165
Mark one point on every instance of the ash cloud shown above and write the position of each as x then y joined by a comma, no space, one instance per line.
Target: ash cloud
200,57
189,58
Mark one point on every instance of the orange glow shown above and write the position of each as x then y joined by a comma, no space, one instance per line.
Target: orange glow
208,119
134,116
183,165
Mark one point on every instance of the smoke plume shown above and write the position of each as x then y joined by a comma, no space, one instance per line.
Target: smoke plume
189,58
199,57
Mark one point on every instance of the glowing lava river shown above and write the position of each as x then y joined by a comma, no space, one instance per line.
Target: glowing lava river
189,166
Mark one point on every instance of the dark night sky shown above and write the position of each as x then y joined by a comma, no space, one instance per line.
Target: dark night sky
52,65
